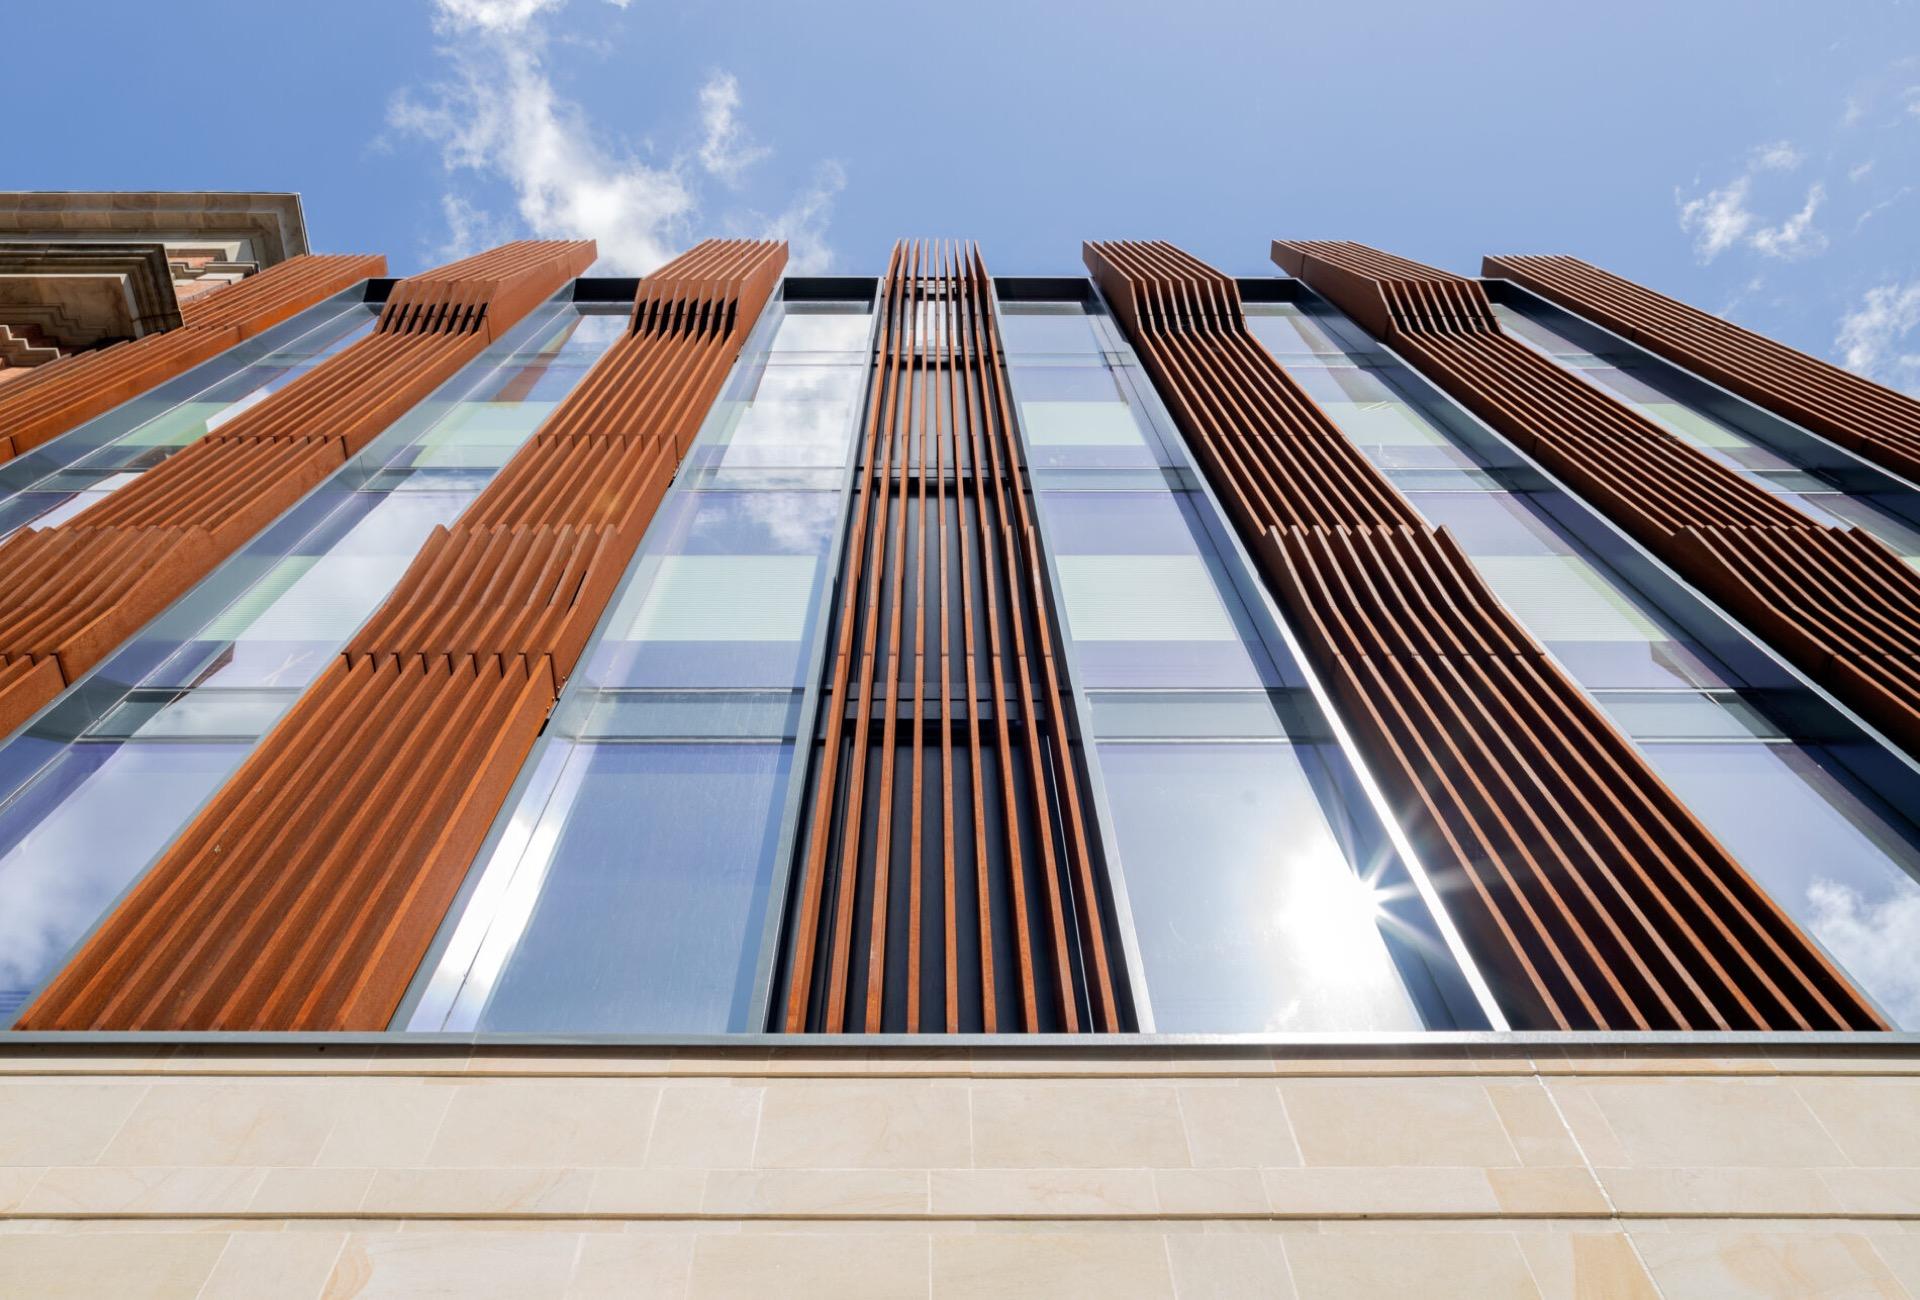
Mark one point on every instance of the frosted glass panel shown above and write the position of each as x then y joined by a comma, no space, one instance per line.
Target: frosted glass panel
1079,424
1563,598
727,598
1143,598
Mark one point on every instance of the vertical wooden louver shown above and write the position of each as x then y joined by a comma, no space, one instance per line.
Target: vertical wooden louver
76,590
306,892
1836,601
63,393
1580,883
1862,416
947,880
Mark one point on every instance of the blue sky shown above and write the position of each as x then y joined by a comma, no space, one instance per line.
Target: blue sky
1759,159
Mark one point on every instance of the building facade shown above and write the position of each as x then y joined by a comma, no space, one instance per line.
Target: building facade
1365,780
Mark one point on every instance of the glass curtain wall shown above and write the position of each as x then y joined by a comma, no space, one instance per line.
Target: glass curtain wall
59,479
1656,390
1265,897
1838,859
627,886
94,790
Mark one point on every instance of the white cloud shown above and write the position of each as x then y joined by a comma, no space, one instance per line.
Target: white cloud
1896,197
1797,236
803,224
469,229
1874,941
1859,173
1718,220
726,151
498,120
1881,337
1724,218
492,15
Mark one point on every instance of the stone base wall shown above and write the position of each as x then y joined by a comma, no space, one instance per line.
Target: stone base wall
1148,1172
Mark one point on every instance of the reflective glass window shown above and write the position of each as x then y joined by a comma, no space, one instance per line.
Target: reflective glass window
79,469
1843,868
626,889
1262,896
192,692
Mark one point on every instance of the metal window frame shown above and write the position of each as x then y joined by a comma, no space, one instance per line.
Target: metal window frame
1649,576
96,695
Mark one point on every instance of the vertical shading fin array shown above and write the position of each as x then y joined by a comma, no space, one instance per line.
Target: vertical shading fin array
1836,601
78,594
1580,883
947,880
1862,416
62,394
305,893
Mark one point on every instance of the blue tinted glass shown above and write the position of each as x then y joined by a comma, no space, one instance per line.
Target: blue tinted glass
1836,866
1277,932
78,834
1145,597
104,455
724,595
643,897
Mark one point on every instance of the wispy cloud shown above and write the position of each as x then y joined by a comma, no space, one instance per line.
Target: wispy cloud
1880,337
1717,220
1797,236
1724,218
726,151
500,125
803,223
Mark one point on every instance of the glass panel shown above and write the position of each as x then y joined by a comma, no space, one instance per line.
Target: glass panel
77,836
1542,337
1686,715
638,903
1144,597
1600,628
1278,932
786,415
724,593
1046,328
1838,867
100,461
823,327
627,892
1080,416
1288,331
231,657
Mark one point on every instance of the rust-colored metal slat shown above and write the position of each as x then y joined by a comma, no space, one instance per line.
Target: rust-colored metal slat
64,393
73,597
306,892
1579,882
976,862
1865,417
1835,601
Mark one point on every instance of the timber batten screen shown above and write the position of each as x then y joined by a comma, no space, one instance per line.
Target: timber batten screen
1594,894
305,894
943,665
1862,416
